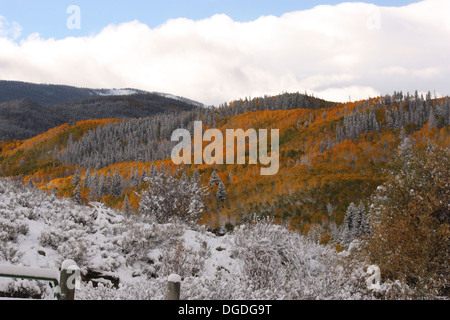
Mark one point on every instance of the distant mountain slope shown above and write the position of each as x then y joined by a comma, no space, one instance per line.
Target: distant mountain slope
42,94
48,94
25,119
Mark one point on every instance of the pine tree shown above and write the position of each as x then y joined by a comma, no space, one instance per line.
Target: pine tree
433,121
30,183
214,180
126,206
365,222
102,188
94,188
357,220
76,178
221,193
135,179
196,177
144,175
87,179
116,185
153,170
350,221
77,195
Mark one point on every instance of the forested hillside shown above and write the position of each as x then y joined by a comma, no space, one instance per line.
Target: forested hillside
43,94
331,154
341,167
25,119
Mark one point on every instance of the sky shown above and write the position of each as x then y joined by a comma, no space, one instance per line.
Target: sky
219,50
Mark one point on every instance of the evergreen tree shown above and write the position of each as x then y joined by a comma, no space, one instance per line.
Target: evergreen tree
144,175
30,183
214,180
77,195
116,185
350,222
365,221
94,188
433,121
126,206
135,179
196,177
76,180
87,179
101,188
221,193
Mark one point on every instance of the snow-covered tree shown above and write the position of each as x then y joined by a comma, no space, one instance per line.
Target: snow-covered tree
76,180
214,180
135,179
93,185
87,179
221,193
116,185
168,197
126,206
77,195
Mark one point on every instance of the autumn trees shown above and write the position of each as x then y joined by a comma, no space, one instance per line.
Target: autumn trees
410,238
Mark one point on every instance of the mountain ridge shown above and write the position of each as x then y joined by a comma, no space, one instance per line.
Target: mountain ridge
48,94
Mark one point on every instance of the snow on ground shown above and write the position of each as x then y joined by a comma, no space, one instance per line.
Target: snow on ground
132,257
117,92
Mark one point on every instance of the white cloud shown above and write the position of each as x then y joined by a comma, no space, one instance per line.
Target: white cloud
352,49
10,30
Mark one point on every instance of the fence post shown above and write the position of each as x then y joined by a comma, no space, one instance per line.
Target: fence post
68,279
173,287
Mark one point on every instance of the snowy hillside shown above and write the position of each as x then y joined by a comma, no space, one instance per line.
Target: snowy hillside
129,92
130,258
116,92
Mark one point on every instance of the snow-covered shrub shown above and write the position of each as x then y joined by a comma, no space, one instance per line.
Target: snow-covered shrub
11,226
9,252
182,261
267,254
28,289
50,238
168,197
137,239
10,230
140,290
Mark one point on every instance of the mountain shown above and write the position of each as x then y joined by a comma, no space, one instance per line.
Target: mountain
48,94
24,119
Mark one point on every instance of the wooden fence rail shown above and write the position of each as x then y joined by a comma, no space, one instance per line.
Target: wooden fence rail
64,280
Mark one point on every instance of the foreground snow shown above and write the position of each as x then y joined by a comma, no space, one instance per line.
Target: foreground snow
131,258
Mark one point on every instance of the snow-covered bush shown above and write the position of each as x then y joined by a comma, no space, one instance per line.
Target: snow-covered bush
182,261
168,197
11,227
28,289
267,254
